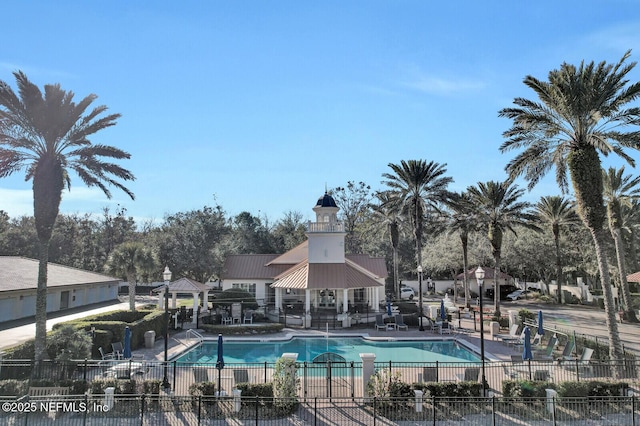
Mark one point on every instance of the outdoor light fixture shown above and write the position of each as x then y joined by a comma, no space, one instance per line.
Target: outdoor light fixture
421,328
166,275
480,279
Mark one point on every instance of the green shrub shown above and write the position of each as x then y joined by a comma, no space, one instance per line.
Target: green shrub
98,386
67,343
449,389
202,389
525,388
285,385
261,390
13,387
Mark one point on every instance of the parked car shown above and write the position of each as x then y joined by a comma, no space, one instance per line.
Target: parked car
407,293
518,294
504,291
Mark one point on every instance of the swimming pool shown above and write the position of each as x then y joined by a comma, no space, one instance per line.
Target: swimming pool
307,348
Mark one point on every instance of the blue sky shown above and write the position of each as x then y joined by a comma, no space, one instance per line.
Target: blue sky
258,105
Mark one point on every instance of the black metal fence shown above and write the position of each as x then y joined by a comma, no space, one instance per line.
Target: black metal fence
144,410
340,379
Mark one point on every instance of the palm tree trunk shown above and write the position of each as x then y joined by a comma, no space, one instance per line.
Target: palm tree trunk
615,345
40,344
131,278
465,265
556,238
629,314
496,291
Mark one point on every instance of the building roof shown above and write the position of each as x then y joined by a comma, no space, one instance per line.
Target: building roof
634,278
326,201
21,273
315,276
186,285
252,266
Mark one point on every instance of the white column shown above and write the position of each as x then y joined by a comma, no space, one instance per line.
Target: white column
278,298
345,300
368,368
161,300
307,301
174,296
196,300
205,302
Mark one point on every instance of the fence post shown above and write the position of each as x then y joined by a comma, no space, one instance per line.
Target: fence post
84,373
433,409
174,375
142,400
256,404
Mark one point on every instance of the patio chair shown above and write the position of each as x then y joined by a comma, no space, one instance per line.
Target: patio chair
380,325
400,323
118,349
445,328
225,318
430,374
568,349
471,374
106,356
248,318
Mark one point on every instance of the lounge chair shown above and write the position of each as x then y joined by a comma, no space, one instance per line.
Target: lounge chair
582,363
513,334
430,374
400,323
248,318
380,325
547,352
225,318
471,374
568,350
541,375
240,376
200,374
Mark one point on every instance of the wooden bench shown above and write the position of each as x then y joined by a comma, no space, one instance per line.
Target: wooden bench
48,390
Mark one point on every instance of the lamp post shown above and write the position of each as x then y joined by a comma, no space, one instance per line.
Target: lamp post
421,328
166,275
480,279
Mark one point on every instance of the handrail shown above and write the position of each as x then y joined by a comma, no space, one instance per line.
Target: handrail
194,334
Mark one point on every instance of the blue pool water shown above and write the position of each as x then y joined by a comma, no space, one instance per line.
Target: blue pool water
308,348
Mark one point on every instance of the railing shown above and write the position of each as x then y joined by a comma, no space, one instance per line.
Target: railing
161,409
192,334
325,227
17,376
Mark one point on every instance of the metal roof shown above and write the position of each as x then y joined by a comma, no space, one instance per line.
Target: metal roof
325,275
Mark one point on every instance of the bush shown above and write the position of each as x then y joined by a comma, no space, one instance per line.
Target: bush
285,385
68,343
98,386
525,388
202,389
449,389
13,387
261,390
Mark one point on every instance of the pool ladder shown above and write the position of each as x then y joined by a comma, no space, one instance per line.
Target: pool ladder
192,334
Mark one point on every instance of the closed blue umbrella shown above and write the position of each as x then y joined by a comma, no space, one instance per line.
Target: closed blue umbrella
220,362
389,307
526,353
126,351
443,312
540,328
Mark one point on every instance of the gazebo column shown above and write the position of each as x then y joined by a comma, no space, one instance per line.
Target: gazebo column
205,302
307,308
279,299
161,300
345,300
196,302
174,297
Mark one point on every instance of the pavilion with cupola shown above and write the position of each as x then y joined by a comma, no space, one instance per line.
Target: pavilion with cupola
314,281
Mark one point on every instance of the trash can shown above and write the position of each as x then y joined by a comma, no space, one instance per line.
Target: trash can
149,339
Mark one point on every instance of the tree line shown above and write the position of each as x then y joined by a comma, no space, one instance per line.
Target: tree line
579,114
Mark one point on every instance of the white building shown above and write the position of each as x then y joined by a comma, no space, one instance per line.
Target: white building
66,287
316,276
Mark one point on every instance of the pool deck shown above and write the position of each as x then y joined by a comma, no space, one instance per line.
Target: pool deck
494,349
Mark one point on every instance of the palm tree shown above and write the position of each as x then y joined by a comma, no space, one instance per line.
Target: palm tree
131,260
619,191
387,214
631,227
580,114
417,186
48,136
463,220
556,212
498,210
